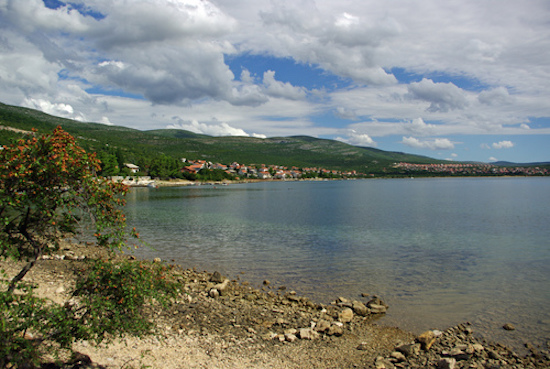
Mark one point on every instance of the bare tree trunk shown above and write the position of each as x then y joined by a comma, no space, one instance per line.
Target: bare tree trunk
38,249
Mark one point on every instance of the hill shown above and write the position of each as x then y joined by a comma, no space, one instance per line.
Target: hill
299,151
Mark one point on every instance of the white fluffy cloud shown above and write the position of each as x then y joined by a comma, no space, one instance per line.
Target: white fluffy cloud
358,139
213,129
503,145
435,144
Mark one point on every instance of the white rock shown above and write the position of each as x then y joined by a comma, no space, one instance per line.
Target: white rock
60,290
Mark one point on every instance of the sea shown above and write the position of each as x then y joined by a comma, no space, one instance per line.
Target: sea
438,251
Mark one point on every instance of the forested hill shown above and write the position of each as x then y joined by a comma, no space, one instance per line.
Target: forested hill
141,147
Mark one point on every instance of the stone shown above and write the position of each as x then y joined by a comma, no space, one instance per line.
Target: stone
446,363
409,349
360,309
214,293
426,340
60,290
221,287
377,309
346,315
266,282
290,331
290,337
335,330
307,333
376,301
216,277
509,327
382,363
398,356
363,346
322,325
157,260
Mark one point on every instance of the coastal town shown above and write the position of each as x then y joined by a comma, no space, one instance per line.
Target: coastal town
480,169
263,171
237,171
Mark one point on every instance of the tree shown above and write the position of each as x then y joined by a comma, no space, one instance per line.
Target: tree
48,190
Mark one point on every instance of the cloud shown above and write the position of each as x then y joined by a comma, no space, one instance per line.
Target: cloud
216,129
283,90
57,109
441,96
496,96
503,145
358,139
342,43
419,127
435,144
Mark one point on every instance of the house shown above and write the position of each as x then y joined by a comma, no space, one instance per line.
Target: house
193,168
133,168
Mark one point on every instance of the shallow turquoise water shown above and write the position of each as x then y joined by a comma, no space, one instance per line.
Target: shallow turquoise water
439,251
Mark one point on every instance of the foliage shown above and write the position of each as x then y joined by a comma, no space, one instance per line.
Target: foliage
48,186
214,175
165,167
49,190
114,294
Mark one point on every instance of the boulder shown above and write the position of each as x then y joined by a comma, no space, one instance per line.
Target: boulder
307,333
446,363
216,277
409,349
346,315
377,309
426,340
322,325
360,309
335,330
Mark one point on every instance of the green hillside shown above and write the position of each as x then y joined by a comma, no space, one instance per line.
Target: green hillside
141,147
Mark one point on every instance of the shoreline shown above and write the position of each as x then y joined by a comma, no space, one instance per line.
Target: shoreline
237,326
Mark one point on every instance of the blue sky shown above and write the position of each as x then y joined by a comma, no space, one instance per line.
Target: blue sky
459,80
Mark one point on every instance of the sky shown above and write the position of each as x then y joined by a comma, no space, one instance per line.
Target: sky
463,80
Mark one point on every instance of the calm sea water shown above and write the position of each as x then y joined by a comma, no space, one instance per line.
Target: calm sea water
438,251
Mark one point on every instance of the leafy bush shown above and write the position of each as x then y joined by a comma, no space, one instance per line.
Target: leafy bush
112,296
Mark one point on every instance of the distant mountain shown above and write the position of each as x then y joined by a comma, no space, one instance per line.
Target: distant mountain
299,151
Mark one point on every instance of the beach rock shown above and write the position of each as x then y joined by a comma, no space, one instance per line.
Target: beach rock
221,287
335,330
509,327
214,293
363,346
377,309
409,349
382,363
446,363
60,290
322,325
360,309
398,356
290,337
307,333
216,277
426,340
346,315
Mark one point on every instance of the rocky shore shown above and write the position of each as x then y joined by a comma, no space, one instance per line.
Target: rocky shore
222,323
